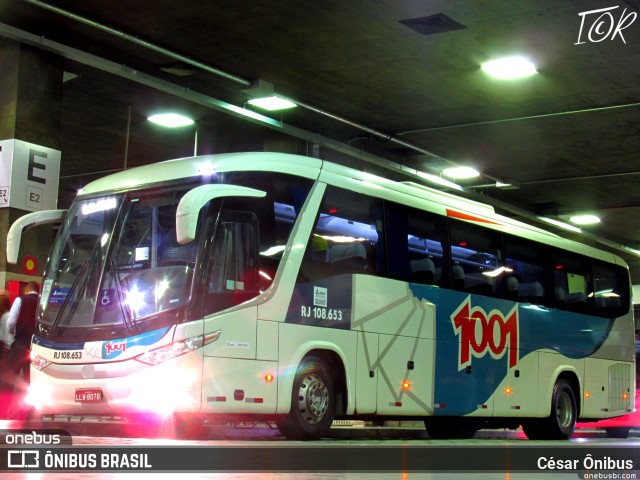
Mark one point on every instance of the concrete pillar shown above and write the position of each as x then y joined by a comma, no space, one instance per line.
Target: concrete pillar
30,98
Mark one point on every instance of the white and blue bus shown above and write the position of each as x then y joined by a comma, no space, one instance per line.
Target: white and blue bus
282,288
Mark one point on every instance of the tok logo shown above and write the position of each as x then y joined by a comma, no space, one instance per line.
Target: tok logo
481,333
599,25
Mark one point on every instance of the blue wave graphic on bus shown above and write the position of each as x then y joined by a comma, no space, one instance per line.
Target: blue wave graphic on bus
114,348
463,384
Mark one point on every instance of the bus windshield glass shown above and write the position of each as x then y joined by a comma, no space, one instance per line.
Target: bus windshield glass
117,270
117,262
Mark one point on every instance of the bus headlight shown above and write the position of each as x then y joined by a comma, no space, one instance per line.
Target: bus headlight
38,395
40,362
175,349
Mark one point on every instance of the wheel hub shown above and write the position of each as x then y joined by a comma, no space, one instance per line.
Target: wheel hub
313,399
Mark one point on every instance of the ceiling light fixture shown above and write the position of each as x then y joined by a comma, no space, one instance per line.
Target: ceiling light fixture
170,120
262,95
584,219
509,185
558,223
509,68
437,180
271,103
459,173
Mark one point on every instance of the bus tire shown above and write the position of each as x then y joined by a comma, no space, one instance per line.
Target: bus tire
562,421
313,402
617,432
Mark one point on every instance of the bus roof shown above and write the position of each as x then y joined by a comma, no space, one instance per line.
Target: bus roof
202,166
404,192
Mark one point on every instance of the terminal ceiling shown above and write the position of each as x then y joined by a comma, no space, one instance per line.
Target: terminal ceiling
568,137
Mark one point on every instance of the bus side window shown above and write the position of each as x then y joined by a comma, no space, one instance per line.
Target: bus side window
476,259
610,292
525,271
345,239
415,241
233,274
570,282
276,213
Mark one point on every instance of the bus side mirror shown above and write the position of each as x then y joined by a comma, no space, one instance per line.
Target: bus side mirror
29,220
196,198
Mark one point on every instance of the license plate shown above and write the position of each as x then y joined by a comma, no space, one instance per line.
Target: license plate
88,395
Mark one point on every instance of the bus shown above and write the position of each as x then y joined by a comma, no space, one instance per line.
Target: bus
296,291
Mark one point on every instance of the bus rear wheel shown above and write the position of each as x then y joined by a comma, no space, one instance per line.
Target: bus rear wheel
562,421
313,402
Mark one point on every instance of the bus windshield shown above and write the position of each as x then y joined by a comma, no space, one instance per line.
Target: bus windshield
117,262
117,270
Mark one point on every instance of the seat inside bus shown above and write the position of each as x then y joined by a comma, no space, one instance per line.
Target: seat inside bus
531,292
347,258
423,270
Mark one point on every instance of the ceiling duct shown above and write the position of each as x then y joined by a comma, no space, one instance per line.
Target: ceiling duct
432,24
179,69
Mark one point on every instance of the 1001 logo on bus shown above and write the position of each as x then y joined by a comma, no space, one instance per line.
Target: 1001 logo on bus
481,333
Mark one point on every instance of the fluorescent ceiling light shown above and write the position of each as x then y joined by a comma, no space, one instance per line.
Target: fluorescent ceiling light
509,68
584,219
460,172
631,250
170,120
271,103
560,224
437,180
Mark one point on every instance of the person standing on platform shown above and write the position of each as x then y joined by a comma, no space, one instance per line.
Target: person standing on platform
6,339
22,322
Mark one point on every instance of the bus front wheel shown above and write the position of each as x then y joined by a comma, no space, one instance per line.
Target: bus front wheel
562,421
313,402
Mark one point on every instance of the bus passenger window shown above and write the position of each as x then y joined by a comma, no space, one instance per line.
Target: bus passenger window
570,282
233,274
610,291
414,244
525,271
476,259
345,239
276,213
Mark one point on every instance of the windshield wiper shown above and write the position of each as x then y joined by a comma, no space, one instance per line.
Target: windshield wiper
84,270
124,308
